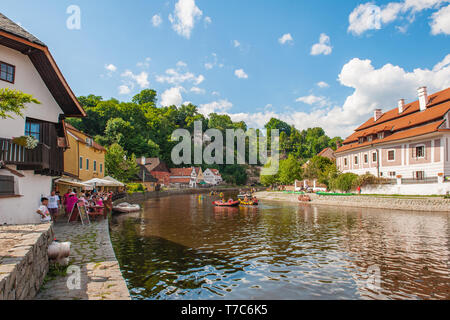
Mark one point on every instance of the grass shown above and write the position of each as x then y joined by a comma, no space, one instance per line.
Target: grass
54,272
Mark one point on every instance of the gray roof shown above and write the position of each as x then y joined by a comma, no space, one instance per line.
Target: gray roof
11,27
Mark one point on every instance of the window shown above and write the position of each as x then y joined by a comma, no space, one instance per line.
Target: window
81,162
356,159
370,138
95,166
87,164
419,175
366,158
7,72
374,157
391,155
345,161
361,140
420,152
33,129
7,185
101,167
380,135
392,174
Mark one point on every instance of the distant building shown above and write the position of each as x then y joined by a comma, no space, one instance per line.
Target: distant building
145,178
157,168
328,153
409,142
27,174
84,158
181,176
212,177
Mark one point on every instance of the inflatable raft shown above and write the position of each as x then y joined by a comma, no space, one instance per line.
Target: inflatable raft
127,208
226,204
248,203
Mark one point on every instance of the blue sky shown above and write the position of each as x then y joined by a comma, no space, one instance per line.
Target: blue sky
310,63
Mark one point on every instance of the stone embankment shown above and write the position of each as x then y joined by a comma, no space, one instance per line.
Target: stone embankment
92,258
23,260
429,204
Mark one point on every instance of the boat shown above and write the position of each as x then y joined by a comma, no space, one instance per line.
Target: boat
304,198
230,203
125,207
248,203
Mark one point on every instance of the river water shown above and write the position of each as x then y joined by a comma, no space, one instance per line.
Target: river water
181,247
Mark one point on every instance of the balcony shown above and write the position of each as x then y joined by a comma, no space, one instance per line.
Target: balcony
42,159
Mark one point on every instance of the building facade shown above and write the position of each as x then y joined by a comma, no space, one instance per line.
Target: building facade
409,143
26,174
212,177
84,159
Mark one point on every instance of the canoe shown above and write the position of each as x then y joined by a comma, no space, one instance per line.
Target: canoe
226,204
127,208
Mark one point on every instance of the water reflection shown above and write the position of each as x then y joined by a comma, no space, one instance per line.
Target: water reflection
184,248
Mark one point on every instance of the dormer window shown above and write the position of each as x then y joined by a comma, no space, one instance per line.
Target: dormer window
370,138
381,135
7,72
361,140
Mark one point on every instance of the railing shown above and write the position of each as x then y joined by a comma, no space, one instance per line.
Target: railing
118,196
25,159
427,180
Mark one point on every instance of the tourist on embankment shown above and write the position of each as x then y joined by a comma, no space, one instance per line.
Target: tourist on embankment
43,211
53,205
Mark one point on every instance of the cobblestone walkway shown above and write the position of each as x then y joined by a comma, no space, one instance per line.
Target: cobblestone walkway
92,252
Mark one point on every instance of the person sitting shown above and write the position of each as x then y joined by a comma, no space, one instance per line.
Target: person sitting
43,211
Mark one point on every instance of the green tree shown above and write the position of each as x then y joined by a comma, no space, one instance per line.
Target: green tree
289,171
269,180
345,182
14,101
145,96
118,165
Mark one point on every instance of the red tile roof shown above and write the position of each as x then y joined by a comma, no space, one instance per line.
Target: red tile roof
181,172
410,123
180,180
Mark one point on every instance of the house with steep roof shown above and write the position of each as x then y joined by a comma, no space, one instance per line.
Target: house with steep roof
328,153
84,159
26,174
212,177
410,142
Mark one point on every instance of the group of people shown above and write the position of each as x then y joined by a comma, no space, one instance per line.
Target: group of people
53,205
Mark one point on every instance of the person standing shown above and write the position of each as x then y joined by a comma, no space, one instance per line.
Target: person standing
53,205
43,211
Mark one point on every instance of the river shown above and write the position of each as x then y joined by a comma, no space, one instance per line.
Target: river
181,247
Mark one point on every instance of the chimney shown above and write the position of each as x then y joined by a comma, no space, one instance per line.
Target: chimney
143,161
423,98
377,114
401,105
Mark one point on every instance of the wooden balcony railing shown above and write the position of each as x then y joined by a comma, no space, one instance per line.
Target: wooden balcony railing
38,159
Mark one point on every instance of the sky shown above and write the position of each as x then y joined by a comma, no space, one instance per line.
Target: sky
321,63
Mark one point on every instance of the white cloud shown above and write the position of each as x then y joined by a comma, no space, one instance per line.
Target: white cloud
373,88
209,66
176,77
322,84
208,21
157,20
286,38
323,47
184,17
215,93
369,16
172,97
313,100
124,89
141,79
145,63
111,67
198,90
236,43
181,64
441,21
240,73
221,106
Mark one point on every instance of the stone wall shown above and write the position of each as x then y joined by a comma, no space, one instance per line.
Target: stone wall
23,260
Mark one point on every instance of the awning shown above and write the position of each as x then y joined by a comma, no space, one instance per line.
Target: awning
73,183
118,183
96,182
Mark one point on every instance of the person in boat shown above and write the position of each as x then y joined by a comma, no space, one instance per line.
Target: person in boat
255,200
246,199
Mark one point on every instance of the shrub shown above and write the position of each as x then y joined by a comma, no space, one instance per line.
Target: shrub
345,182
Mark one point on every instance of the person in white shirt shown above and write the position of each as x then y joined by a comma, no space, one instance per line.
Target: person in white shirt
43,211
53,205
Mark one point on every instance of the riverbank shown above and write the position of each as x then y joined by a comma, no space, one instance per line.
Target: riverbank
91,251
431,204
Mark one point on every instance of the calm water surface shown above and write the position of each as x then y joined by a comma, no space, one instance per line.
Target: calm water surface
184,248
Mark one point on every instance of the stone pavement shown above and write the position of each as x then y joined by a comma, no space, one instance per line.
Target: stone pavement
91,251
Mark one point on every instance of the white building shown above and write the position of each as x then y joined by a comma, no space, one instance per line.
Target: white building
26,175
409,144
212,177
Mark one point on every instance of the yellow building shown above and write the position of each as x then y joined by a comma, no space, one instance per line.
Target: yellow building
84,159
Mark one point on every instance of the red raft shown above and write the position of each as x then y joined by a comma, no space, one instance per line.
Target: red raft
230,203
